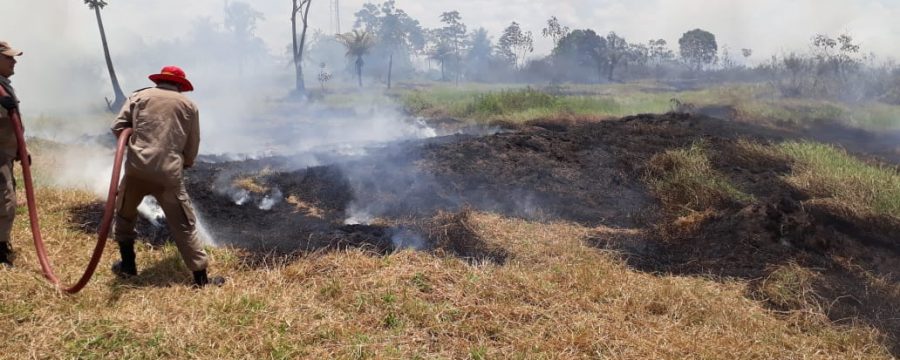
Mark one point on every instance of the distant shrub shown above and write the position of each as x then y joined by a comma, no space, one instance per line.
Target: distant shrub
509,101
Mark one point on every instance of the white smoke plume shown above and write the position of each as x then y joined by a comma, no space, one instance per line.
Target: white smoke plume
402,238
271,199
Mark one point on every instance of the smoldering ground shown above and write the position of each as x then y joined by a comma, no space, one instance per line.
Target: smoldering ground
394,187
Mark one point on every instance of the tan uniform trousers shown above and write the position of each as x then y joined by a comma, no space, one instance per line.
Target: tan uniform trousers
7,197
175,204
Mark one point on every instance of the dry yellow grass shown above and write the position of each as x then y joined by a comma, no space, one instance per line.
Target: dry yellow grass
249,184
305,208
554,297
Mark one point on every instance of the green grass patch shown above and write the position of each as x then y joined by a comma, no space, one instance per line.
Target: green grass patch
510,101
102,339
686,182
16,311
521,105
752,101
241,311
826,171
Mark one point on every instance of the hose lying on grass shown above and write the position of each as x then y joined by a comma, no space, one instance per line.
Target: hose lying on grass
103,232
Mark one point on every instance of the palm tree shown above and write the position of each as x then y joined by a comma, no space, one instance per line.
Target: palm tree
114,106
358,43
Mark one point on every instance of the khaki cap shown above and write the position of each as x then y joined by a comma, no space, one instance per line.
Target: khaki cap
7,50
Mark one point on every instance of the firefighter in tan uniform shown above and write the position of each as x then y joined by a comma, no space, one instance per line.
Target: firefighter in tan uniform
165,141
8,152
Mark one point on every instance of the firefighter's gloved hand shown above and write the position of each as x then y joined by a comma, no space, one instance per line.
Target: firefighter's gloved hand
8,102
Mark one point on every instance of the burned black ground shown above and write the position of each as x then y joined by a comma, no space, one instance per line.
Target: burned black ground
590,173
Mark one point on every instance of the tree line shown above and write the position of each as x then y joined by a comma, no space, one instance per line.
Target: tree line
395,40
387,44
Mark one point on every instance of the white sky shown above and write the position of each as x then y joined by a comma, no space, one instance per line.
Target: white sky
766,26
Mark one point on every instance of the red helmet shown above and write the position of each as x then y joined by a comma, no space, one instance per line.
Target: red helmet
173,74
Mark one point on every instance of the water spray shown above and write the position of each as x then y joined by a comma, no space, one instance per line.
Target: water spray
108,211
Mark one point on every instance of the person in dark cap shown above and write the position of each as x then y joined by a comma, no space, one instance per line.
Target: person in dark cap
8,151
165,141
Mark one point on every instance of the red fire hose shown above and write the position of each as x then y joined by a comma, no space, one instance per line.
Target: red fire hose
32,207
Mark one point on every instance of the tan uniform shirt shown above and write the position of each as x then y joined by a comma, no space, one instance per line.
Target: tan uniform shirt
8,144
166,134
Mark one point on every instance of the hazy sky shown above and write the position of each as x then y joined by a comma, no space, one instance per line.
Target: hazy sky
766,26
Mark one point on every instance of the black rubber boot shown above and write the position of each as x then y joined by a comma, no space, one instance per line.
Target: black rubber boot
201,279
5,255
127,266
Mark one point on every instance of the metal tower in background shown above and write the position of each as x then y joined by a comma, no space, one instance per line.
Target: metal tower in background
336,16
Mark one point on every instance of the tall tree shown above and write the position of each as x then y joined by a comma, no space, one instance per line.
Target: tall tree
835,61
397,35
241,18
358,43
453,34
440,51
116,104
617,50
726,59
369,17
659,53
240,21
638,54
554,30
390,25
698,47
480,54
581,49
301,8
515,44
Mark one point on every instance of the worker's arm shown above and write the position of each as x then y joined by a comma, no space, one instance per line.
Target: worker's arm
193,140
124,120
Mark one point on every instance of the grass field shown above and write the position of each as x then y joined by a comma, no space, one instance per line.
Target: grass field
518,104
557,295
